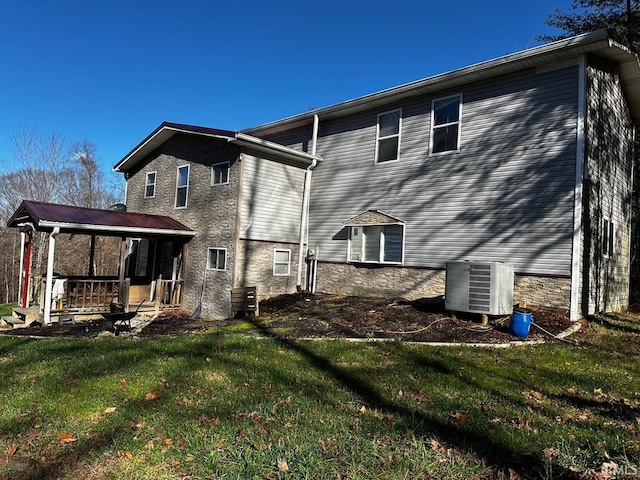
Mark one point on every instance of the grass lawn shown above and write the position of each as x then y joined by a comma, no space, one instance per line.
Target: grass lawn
219,405
7,308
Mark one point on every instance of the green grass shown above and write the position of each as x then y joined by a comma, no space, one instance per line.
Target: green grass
217,405
7,308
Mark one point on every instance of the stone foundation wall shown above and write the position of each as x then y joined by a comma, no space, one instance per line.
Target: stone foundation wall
413,283
254,266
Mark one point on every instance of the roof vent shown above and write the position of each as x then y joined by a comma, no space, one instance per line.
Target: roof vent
118,207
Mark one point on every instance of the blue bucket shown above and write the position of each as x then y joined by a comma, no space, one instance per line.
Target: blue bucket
521,322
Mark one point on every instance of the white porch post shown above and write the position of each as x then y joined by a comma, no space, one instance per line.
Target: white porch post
49,283
22,272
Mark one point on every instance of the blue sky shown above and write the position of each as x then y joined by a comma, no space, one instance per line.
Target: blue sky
112,71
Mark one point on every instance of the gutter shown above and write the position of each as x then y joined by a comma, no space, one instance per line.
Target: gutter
304,214
115,229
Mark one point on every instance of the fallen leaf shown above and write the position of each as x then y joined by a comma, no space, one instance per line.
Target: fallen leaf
141,425
12,450
363,409
66,438
155,395
551,452
283,466
513,475
128,455
459,416
215,422
110,410
167,441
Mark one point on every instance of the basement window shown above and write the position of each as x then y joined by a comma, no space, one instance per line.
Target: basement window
445,119
376,243
388,136
281,263
217,259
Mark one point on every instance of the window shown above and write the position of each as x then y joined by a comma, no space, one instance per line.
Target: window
182,186
388,136
217,259
376,243
150,185
445,134
220,173
608,237
281,263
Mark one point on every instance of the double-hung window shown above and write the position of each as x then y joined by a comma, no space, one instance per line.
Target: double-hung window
376,243
150,185
608,237
445,121
217,259
388,136
281,263
182,186
220,173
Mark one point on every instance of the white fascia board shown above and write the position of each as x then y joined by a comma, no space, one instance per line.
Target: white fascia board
115,229
302,158
161,136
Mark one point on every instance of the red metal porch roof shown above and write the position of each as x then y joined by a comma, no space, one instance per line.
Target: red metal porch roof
47,216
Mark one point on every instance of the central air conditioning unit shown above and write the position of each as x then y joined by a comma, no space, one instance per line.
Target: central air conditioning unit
479,287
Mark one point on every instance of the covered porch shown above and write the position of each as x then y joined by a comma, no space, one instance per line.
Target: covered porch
149,270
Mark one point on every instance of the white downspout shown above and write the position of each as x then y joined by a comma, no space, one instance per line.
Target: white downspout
49,282
304,216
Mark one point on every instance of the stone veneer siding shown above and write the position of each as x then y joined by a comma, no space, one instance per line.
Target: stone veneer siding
414,283
211,211
254,267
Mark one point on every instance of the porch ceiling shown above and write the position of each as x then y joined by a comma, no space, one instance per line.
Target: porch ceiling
91,221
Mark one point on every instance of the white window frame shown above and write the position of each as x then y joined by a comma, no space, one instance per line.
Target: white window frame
186,187
380,246
608,238
213,173
275,262
434,126
216,268
386,137
148,184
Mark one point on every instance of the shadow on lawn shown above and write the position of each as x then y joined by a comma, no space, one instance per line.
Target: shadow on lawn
497,455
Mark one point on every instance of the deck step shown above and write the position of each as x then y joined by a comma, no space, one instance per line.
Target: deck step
14,322
28,315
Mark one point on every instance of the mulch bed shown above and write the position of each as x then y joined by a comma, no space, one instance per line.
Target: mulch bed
333,316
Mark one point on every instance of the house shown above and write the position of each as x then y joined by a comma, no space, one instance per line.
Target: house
526,159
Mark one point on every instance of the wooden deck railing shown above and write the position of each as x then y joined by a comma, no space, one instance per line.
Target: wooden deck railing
95,294
89,294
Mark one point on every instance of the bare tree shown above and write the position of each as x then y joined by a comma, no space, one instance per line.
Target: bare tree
45,167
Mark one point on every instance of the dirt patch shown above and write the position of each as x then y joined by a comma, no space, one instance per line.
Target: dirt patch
333,316
423,320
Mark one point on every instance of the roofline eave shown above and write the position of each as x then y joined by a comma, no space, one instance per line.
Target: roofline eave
547,53
112,230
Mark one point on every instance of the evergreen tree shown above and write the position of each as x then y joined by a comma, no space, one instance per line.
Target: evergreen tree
620,17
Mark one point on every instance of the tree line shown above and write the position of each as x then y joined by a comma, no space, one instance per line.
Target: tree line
47,167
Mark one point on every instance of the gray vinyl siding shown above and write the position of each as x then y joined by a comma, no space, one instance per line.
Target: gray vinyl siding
271,201
507,195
